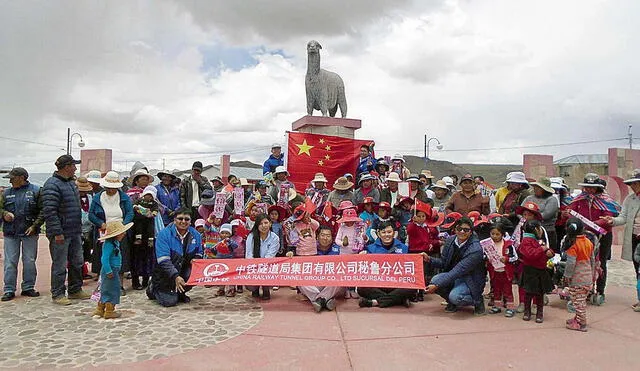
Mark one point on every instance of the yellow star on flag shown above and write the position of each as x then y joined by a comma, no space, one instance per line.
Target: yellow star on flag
321,141
328,148
304,148
327,157
320,162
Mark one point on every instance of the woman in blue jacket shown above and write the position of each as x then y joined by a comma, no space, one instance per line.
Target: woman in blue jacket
385,297
169,197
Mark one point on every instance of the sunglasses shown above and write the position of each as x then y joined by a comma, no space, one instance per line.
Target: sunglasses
183,218
462,229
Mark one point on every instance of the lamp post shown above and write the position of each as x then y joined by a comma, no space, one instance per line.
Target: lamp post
438,146
70,138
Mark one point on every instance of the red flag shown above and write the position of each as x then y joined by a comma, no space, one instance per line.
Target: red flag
327,211
309,205
308,154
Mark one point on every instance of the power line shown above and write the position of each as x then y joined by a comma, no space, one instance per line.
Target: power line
32,142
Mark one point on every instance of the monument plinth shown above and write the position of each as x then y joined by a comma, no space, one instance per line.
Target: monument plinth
339,127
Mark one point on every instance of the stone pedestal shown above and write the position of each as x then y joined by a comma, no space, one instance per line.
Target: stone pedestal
95,159
339,127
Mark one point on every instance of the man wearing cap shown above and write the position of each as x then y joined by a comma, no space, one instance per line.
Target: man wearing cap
275,159
168,196
467,199
341,191
191,188
318,193
63,215
513,195
366,163
366,190
21,212
596,205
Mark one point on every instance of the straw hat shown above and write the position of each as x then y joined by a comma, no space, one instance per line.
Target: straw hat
342,184
94,176
115,228
393,177
440,184
111,180
139,173
319,177
83,185
244,182
427,174
544,183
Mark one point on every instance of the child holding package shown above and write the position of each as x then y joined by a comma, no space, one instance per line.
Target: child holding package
111,263
501,276
224,250
578,273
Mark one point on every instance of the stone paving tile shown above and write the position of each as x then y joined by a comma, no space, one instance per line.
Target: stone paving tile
37,333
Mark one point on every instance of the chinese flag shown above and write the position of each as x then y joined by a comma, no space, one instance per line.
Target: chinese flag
308,154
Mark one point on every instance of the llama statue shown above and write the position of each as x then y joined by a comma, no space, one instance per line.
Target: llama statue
325,89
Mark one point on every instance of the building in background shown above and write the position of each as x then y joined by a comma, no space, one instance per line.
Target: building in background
573,168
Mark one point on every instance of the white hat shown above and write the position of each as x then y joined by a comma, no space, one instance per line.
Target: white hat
635,177
365,177
150,190
558,183
517,177
94,176
319,177
397,156
244,182
393,177
276,145
139,173
281,169
442,184
448,181
226,228
111,180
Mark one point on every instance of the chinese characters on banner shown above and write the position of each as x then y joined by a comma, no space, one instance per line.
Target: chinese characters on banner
238,201
370,270
219,205
492,253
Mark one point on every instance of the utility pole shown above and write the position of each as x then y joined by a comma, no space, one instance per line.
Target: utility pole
630,134
68,141
163,164
425,146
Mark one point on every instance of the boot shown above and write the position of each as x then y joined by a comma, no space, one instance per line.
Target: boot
539,313
110,311
145,281
135,282
99,310
527,311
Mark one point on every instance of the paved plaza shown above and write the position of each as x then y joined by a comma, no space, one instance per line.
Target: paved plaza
216,333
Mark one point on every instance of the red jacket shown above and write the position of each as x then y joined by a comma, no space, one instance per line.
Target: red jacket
423,239
532,254
584,208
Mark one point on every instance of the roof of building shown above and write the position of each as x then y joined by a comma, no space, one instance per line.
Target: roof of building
583,159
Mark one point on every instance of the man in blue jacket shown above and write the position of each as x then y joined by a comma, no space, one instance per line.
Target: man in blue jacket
176,246
463,269
63,215
275,159
20,209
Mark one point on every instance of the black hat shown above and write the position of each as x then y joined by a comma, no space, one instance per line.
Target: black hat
17,171
65,160
197,166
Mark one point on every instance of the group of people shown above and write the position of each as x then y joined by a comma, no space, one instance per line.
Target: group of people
464,231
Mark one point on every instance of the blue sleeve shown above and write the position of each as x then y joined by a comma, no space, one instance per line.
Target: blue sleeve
273,247
107,250
51,199
265,167
248,251
93,211
199,249
127,213
163,253
464,266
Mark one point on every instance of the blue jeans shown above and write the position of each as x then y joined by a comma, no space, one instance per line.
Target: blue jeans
12,249
70,251
458,295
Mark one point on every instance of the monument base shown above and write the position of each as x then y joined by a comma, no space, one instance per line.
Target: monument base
324,125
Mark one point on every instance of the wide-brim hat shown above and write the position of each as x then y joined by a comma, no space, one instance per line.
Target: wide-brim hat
365,177
349,215
440,184
394,177
111,180
139,173
544,183
115,228
342,184
382,205
517,177
448,181
319,177
530,207
281,169
451,219
94,176
398,157
591,180
413,178
163,173
366,201
427,174
634,178
282,212
346,204
558,183
84,185
244,182
436,219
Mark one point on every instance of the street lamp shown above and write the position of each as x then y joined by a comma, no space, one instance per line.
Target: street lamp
438,146
70,138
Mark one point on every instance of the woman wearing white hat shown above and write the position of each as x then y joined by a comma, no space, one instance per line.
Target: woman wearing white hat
318,193
108,205
140,180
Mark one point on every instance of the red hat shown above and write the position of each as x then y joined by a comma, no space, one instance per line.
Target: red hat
299,212
374,173
494,215
349,215
282,212
366,200
436,219
383,205
422,206
477,218
451,219
405,199
530,207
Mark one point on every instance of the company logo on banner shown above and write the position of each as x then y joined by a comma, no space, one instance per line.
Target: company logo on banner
370,270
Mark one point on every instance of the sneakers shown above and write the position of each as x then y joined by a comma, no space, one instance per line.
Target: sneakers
479,309
636,307
30,293
365,303
520,308
495,310
62,300
80,295
331,304
8,296
451,308
317,305
572,324
509,313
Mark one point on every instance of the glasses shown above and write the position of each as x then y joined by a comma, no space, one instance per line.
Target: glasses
462,229
183,218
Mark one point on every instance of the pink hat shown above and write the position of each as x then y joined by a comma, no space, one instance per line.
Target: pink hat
349,215
199,223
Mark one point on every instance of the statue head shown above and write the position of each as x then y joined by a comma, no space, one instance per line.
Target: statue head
313,47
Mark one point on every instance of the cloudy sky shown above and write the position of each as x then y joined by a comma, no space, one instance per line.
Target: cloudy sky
185,80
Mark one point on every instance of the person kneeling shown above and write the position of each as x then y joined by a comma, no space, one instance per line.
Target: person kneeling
176,246
463,274
385,297
319,296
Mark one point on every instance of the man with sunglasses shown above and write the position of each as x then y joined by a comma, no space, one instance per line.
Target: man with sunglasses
176,246
463,273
